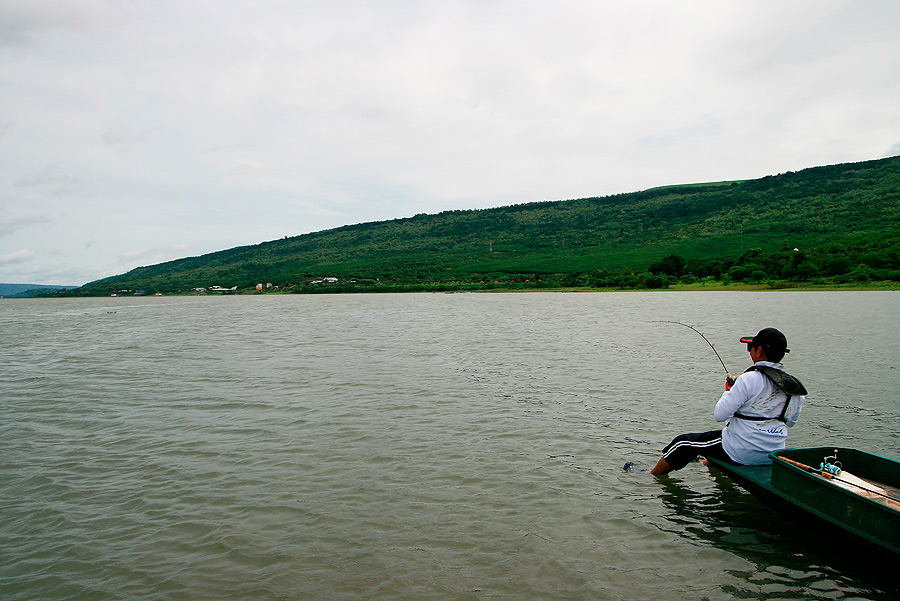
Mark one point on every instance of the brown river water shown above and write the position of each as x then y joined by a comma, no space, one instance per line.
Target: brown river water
416,447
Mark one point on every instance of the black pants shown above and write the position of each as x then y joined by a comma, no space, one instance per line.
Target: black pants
687,447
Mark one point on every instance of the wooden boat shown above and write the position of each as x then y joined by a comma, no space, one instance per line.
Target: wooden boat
863,501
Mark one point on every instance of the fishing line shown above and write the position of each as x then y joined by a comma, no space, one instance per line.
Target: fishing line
868,490
701,336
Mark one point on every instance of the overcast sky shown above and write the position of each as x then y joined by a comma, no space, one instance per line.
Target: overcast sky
135,132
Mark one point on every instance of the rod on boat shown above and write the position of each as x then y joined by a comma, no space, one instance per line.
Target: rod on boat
808,468
830,476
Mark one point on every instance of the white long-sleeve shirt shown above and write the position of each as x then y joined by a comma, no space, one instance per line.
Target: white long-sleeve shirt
746,441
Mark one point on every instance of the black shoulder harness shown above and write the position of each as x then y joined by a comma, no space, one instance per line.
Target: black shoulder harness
784,382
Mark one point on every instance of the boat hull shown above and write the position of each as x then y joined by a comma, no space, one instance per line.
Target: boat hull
809,496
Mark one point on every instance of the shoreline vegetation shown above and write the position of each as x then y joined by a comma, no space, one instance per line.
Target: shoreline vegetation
824,228
773,286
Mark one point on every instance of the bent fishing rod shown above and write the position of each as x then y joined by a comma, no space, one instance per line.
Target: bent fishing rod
727,373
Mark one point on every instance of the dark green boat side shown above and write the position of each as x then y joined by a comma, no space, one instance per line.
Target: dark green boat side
808,496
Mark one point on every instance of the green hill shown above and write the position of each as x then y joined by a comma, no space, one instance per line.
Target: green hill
844,221
29,290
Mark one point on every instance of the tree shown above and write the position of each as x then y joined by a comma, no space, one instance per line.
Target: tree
670,265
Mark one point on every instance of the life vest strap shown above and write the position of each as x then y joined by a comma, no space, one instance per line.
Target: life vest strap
760,418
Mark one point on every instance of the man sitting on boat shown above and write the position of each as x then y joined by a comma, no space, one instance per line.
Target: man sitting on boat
759,406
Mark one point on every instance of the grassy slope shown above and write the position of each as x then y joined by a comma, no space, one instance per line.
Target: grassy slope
813,207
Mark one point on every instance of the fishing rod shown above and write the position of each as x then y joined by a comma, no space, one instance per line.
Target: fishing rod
727,373
837,476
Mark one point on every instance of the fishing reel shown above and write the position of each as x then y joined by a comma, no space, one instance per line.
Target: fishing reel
831,465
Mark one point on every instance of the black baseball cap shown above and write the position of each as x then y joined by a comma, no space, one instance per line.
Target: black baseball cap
770,339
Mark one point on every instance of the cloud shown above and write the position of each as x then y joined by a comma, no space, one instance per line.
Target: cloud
20,256
145,125
132,256
123,141
148,256
894,151
22,20
9,227
50,179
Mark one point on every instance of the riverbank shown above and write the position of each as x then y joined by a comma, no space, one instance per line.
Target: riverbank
788,286
700,286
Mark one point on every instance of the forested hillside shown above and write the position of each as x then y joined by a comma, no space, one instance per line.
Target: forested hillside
28,290
835,223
